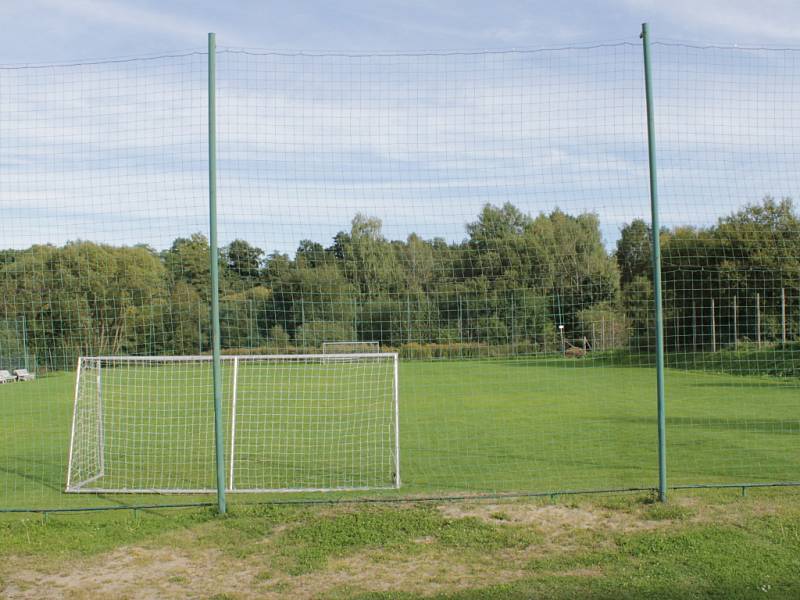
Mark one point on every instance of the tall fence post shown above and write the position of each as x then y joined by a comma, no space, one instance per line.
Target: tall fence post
659,308
214,251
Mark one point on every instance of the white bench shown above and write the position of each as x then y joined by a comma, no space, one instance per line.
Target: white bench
6,377
24,375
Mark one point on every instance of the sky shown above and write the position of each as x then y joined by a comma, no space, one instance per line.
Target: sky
418,113
56,30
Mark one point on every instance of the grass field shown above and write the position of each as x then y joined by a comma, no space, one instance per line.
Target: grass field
477,427
709,544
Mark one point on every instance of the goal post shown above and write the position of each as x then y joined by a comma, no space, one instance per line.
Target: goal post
86,448
354,347
296,423
142,424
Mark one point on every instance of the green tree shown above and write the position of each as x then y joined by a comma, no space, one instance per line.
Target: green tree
310,254
367,259
633,251
87,298
188,260
243,261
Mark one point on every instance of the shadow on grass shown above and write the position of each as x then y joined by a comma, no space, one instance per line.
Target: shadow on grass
771,385
26,469
772,426
57,499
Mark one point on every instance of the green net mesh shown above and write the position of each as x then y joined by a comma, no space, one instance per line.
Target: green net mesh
484,215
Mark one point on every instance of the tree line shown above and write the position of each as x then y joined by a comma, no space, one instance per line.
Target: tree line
517,283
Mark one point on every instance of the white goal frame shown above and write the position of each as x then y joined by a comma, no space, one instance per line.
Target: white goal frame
356,344
235,360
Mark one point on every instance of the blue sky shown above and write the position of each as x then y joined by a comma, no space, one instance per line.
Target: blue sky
115,152
48,30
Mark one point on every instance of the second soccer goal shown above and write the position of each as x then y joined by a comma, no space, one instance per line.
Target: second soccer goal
292,423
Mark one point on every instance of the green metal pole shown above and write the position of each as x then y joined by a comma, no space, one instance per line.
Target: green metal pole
651,151
212,210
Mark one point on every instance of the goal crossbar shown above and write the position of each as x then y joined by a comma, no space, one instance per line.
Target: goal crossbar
232,357
296,423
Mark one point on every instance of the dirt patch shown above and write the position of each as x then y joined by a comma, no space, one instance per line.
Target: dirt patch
180,567
138,573
133,572
553,519
731,511
427,574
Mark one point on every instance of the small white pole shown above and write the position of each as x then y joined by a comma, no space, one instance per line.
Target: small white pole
233,418
396,391
74,419
101,438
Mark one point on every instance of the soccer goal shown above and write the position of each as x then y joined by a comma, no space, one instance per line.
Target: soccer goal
351,347
293,423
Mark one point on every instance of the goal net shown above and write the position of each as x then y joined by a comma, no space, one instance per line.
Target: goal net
350,347
292,423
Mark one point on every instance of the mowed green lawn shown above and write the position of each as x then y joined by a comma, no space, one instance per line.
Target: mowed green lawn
465,427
